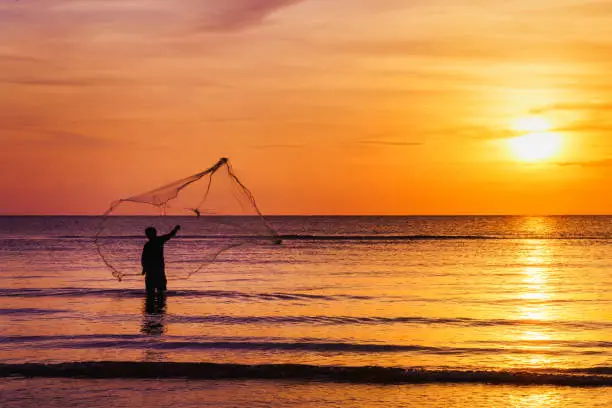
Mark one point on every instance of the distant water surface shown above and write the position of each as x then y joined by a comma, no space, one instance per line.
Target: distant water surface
501,294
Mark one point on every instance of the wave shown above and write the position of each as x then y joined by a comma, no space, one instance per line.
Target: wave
30,311
305,297
321,320
302,372
373,320
138,293
88,341
416,320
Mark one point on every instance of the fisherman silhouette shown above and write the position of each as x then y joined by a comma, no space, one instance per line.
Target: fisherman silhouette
153,266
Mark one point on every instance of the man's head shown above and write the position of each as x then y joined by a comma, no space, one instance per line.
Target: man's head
151,232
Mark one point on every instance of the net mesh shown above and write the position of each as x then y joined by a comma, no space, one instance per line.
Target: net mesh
215,210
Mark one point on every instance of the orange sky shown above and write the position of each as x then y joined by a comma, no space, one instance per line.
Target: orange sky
324,107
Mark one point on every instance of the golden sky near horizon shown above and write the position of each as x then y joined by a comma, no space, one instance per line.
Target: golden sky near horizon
323,106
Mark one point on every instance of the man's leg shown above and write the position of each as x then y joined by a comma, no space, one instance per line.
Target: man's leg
149,286
162,283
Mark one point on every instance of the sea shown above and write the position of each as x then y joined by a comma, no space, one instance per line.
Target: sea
369,311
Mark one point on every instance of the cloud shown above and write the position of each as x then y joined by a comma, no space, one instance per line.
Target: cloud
82,80
586,127
587,106
596,111
516,48
278,146
75,20
585,9
386,47
476,132
486,133
77,139
23,136
236,15
589,163
17,58
391,143
62,82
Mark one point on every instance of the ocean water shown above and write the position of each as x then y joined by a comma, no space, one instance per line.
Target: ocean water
351,311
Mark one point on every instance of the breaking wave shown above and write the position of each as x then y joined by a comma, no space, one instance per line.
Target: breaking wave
364,374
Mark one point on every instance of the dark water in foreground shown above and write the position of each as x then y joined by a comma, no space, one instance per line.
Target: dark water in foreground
518,300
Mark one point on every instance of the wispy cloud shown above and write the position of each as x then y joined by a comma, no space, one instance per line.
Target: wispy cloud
470,47
78,139
589,163
586,106
476,132
586,127
27,137
63,82
597,112
17,58
278,146
391,143
64,18
601,8
236,15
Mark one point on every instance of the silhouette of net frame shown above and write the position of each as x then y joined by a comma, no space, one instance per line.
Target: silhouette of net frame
161,196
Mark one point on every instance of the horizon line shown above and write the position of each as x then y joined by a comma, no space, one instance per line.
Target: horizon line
329,215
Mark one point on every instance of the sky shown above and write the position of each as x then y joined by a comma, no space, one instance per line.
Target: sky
323,106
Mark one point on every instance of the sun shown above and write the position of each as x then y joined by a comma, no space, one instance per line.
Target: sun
529,124
536,146
537,143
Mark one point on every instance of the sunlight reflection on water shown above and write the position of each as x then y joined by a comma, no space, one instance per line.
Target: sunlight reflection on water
463,303
56,393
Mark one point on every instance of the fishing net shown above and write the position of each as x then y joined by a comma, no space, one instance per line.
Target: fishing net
216,213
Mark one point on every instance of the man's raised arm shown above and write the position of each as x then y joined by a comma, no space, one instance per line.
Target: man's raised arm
170,234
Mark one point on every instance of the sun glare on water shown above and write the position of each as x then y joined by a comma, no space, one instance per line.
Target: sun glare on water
537,143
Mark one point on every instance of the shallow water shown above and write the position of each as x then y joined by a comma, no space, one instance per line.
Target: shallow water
52,393
438,293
